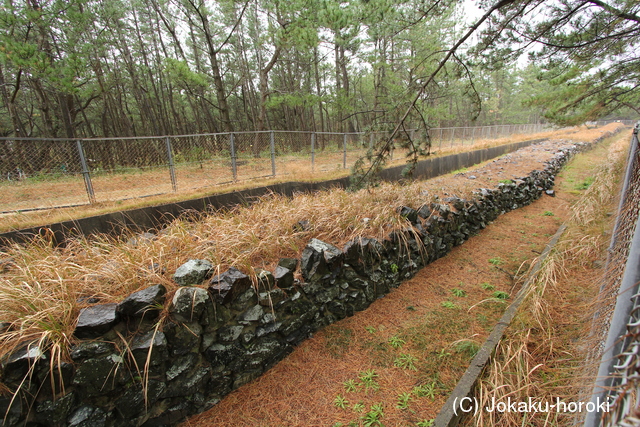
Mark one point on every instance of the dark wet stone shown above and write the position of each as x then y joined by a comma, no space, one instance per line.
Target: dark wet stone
252,314
132,401
265,279
55,412
91,349
409,213
193,272
229,285
319,260
88,416
183,338
147,302
229,333
189,303
288,263
283,277
99,376
96,320
154,342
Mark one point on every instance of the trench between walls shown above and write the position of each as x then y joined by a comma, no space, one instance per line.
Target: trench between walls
154,217
131,369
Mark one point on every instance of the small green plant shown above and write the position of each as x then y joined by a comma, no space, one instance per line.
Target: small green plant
457,171
370,329
547,213
394,268
351,386
368,380
467,347
426,390
358,407
458,292
396,342
448,304
585,184
406,361
425,423
340,402
505,181
403,400
372,418
502,295
442,354
487,286
495,261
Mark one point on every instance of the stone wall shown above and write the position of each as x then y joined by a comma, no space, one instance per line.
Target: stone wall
141,364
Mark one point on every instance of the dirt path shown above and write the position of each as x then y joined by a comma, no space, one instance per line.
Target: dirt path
399,368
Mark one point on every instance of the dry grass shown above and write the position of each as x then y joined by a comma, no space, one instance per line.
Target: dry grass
543,354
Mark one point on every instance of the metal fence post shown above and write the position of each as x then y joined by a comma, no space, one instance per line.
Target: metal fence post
273,154
313,151
344,151
85,172
234,165
172,169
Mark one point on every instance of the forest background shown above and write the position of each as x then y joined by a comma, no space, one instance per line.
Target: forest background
83,68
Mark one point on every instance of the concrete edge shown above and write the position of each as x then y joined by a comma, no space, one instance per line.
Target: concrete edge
451,412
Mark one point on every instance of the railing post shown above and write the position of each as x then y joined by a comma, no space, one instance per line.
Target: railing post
85,172
234,165
273,154
172,169
344,151
313,151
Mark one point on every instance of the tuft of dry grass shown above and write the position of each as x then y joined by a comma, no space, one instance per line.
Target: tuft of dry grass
544,351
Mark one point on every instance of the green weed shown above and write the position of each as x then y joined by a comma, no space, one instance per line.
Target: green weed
467,347
406,361
351,386
372,418
502,295
487,286
368,380
396,342
340,402
425,390
458,292
403,400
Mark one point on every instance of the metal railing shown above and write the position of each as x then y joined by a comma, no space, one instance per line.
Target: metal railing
618,380
39,173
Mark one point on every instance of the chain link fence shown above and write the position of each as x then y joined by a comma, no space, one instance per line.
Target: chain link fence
40,173
617,324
